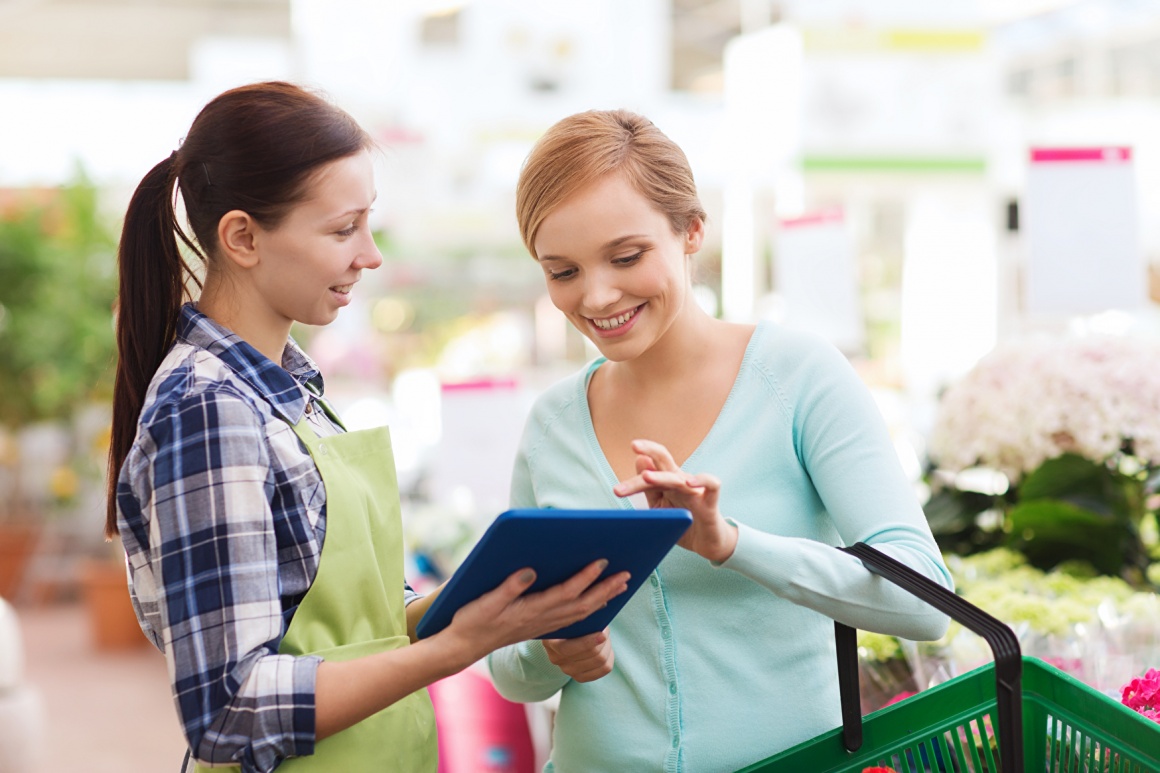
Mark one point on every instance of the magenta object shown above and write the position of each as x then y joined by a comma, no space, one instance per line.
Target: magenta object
479,730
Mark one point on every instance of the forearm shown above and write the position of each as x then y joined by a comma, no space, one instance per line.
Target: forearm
822,578
348,692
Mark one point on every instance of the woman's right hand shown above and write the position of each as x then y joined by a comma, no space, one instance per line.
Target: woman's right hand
585,658
504,616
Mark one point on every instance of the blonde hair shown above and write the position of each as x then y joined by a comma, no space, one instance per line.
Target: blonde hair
582,148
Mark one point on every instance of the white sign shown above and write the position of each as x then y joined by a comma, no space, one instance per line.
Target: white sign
816,278
1082,232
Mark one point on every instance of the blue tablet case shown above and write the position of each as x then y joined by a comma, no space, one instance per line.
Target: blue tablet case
557,544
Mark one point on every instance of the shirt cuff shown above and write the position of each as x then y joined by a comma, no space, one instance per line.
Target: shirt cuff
736,547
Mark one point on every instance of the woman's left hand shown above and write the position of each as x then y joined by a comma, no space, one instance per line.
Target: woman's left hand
666,485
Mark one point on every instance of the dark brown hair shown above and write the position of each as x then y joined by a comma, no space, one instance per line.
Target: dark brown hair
256,149
582,148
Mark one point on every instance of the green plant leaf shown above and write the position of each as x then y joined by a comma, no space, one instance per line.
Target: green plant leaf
1069,474
1050,531
953,519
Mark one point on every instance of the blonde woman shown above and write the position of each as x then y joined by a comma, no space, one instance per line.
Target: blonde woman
726,654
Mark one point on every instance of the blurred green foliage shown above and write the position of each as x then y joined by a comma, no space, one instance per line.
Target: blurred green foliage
57,287
1070,510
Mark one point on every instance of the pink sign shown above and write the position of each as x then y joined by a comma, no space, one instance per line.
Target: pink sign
814,218
1116,154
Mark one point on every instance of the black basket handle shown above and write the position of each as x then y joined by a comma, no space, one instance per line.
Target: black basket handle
1002,640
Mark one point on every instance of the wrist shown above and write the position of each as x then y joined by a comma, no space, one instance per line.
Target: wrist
453,651
726,543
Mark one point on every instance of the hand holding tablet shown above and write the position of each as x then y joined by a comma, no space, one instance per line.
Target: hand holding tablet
557,544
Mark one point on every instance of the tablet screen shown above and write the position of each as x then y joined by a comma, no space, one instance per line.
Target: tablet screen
558,544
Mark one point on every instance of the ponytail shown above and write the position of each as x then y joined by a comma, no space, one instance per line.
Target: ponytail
153,276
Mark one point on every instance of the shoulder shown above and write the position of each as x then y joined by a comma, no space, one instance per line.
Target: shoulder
783,348
796,365
194,394
789,354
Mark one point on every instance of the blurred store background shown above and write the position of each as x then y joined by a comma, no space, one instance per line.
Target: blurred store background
927,184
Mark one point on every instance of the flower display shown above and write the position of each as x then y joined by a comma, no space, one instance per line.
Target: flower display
1038,398
1051,446
1142,694
1098,629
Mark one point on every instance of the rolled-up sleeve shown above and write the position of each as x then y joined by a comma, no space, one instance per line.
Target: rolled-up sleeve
204,484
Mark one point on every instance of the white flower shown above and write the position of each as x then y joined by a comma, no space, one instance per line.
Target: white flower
1034,399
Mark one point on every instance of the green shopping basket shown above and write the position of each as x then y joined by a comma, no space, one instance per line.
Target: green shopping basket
1016,714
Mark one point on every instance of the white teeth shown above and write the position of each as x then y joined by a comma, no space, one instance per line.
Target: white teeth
342,288
614,322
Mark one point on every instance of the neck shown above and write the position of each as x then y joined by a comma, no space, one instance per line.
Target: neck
227,303
678,353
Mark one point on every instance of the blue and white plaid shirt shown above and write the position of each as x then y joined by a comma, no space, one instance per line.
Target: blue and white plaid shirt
222,514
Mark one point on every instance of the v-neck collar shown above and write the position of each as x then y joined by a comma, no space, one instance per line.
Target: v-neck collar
590,429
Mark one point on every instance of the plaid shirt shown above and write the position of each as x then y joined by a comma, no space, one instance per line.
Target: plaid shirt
222,514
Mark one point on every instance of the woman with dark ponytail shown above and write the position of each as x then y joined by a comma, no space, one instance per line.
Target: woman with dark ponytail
262,538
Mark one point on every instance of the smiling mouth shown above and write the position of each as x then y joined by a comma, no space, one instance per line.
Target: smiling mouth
612,323
344,289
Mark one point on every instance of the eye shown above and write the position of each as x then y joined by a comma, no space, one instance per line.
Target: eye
567,273
628,261
348,231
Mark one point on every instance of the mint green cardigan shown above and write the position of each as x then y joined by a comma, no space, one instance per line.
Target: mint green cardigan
720,666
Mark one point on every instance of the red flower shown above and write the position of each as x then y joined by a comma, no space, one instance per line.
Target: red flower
900,697
1142,694
879,770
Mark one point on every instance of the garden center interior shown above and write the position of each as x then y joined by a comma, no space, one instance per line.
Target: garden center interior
962,196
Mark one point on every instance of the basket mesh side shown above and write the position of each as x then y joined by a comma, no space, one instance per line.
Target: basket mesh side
1073,747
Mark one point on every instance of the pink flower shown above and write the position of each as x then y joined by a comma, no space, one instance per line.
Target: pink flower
900,697
879,770
1142,694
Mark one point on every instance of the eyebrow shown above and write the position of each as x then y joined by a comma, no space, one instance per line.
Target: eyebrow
609,245
357,211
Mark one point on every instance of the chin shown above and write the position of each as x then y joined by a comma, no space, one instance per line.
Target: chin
319,319
615,353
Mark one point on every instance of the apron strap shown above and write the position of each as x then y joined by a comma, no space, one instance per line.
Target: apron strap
325,406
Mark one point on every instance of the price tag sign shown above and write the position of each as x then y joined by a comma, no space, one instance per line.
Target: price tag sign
1082,232
816,276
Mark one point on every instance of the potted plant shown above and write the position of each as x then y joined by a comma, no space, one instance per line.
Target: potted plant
57,284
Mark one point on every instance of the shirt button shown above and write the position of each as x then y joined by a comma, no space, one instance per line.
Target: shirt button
655,582
676,742
323,450
666,632
672,689
309,407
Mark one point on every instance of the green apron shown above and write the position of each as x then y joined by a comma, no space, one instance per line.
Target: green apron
355,605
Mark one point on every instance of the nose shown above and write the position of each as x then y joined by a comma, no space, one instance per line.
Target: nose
369,256
600,293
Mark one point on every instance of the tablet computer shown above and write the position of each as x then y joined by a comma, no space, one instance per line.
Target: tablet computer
558,544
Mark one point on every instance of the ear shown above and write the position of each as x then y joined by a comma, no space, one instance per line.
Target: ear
237,233
694,236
